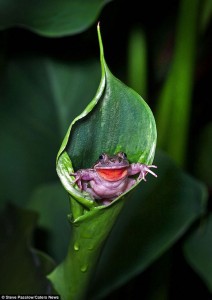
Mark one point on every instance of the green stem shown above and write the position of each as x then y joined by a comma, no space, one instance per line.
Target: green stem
137,62
174,105
89,232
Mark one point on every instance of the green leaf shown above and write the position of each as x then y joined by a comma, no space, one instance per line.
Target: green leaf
50,18
117,119
51,203
197,250
39,98
157,215
23,268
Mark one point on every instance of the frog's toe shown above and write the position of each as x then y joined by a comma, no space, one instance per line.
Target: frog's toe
147,169
142,176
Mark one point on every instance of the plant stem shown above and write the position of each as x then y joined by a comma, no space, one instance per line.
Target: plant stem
137,62
174,105
89,232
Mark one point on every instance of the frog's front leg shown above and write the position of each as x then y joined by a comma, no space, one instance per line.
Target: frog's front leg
82,175
141,169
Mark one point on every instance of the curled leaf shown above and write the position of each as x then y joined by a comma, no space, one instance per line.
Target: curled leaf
117,119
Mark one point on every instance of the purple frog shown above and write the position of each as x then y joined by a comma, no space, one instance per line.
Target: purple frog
110,176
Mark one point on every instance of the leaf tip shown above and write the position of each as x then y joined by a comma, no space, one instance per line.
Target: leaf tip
100,43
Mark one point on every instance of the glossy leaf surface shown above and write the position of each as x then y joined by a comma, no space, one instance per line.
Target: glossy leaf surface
117,119
50,18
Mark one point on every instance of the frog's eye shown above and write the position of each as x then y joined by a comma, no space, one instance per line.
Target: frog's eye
122,155
101,156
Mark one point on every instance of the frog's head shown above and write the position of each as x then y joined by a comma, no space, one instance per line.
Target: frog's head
112,168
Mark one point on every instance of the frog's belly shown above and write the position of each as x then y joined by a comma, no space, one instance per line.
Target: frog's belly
110,189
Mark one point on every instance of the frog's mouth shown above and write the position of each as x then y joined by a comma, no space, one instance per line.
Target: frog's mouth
112,174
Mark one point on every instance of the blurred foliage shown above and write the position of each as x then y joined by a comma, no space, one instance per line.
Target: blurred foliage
50,18
33,129
197,249
46,82
174,103
23,269
137,62
50,202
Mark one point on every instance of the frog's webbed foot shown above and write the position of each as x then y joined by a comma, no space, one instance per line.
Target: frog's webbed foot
144,170
141,169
